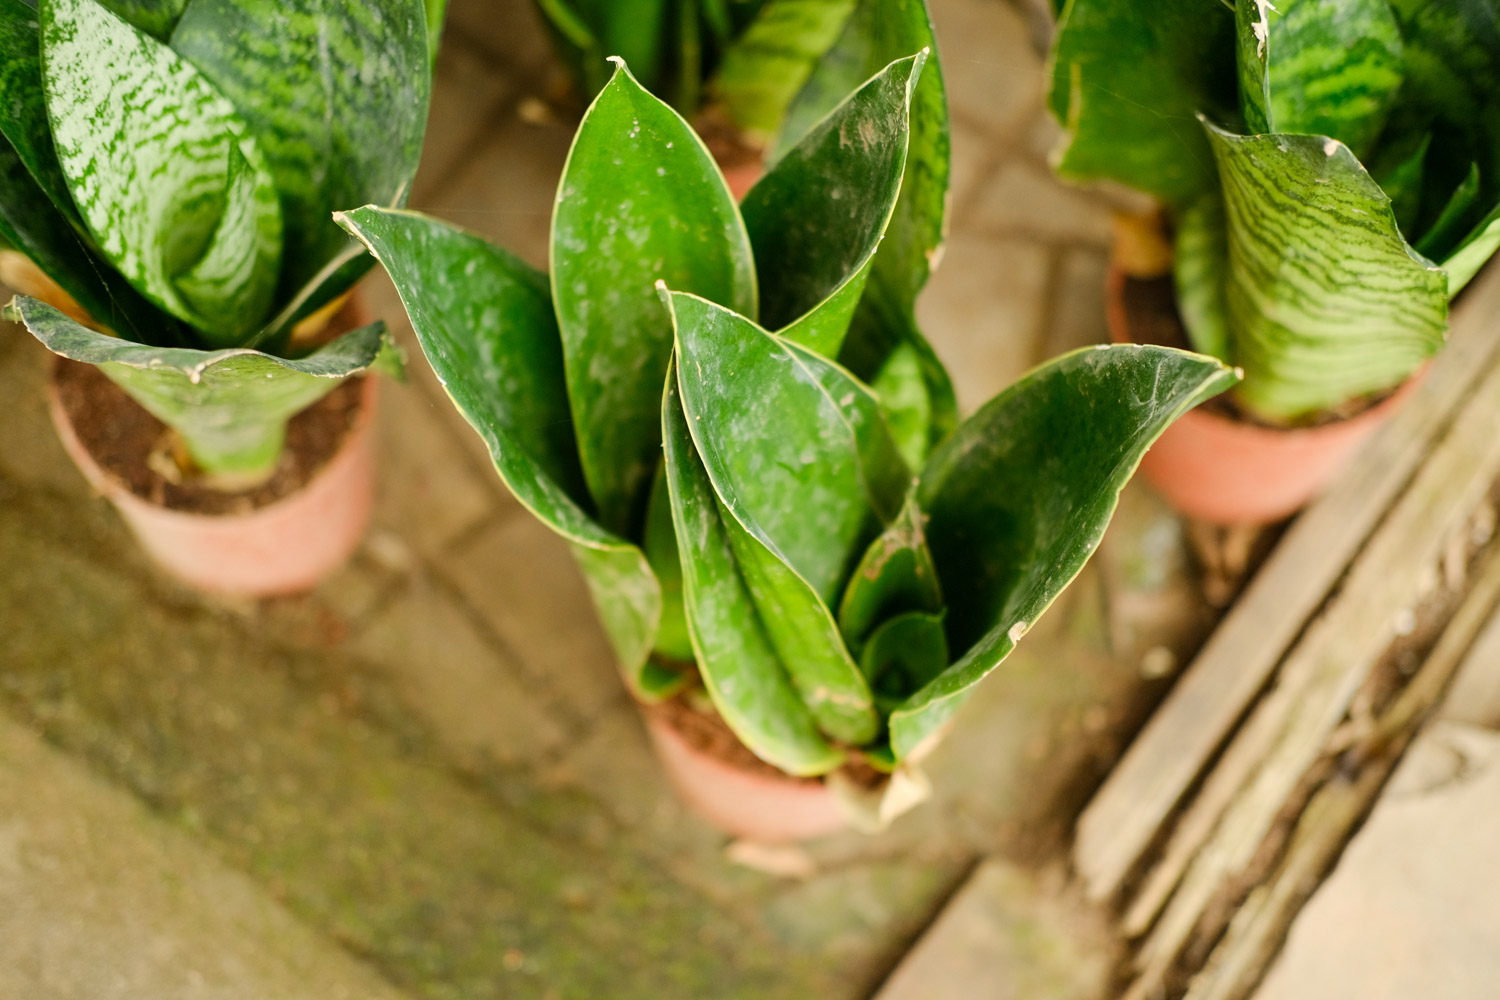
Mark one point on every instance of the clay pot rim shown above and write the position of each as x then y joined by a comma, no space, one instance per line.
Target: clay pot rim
1119,331
109,484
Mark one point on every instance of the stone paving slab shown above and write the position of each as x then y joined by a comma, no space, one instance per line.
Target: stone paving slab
1412,910
101,900
1008,935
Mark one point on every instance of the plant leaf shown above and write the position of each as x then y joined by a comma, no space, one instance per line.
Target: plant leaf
336,98
903,655
763,69
894,576
230,406
1020,495
817,217
154,17
162,171
23,108
1326,301
660,546
1472,253
640,201
1319,67
592,30
879,32
437,11
1127,80
1454,221
746,681
1200,268
484,320
798,455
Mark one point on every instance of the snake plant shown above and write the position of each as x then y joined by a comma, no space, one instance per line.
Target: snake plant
1331,167
750,57
173,166
681,400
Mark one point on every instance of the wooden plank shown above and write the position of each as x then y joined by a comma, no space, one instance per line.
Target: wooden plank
1130,810
1255,935
1289,729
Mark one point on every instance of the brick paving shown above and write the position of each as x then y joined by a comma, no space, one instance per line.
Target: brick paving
429,763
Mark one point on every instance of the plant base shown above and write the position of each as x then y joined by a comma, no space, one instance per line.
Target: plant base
750,804
1214,468
283,547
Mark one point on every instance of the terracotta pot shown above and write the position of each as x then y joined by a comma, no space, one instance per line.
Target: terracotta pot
748,804
742,177
283,547
1231,472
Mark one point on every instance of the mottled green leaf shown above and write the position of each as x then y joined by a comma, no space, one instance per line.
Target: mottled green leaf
1319,67
335,96
591,31
31,225
230,406
880,32
746,681
765,67
1200,268
894,576
817,217
660,545
902,390
484,320
1127,81
640,201
798,455
163,171
23,109
1326,301
1020,496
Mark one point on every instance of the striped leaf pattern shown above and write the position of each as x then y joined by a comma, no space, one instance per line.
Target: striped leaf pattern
765,67
1326,301
162,168
335,97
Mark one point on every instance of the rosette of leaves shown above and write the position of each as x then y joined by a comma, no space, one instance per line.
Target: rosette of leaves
749,57
173,165
840,568
1331,168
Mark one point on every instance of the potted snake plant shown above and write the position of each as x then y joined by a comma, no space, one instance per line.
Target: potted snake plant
804,570
1330,180
168,172
732,66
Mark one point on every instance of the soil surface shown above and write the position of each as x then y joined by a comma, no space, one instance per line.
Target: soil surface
121,437
709,734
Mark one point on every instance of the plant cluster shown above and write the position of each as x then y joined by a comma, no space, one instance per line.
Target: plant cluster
1332,168
749,56
172,166
729,414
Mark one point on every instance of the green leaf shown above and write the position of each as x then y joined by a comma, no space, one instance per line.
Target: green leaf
484,320
746,681
1127,80
1020,496
903,655
335,96
817,217
23,108
593,30
660,544
799,457
1200,268
171,186
1398,166
763,69
1454,221
230,406
1473,252
640,201
1319,67
894,576
154,17
902,390
879,32
437,10
1326,301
